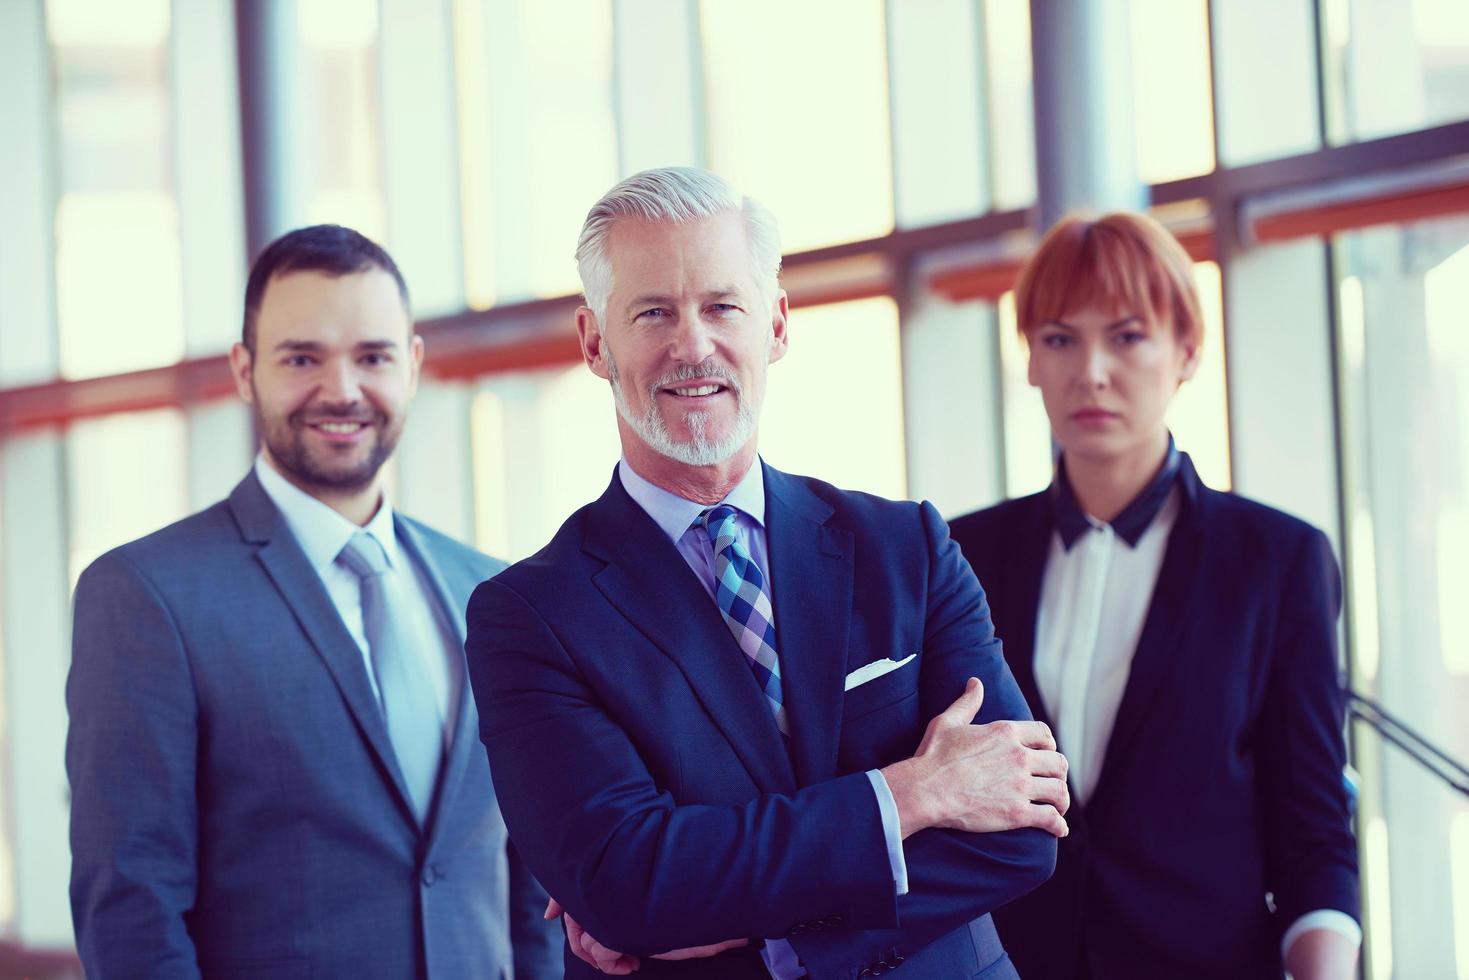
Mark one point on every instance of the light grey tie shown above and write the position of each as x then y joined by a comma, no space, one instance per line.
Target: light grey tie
404,692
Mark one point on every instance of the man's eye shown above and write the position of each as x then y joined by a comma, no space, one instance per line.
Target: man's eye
723,308
654,313
297,360
376,359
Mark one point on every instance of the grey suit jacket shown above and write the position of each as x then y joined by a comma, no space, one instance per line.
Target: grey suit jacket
237,810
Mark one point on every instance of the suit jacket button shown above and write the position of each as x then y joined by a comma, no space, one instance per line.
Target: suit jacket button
429,876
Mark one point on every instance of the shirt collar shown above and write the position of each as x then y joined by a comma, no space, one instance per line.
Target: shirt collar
1129,525
321,531
674,515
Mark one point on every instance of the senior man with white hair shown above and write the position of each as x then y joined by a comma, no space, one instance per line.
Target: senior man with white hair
743,723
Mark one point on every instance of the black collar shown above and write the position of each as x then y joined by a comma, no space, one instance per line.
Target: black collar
1135,517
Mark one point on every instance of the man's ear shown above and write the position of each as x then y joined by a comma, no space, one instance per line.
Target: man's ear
415,359
242,368
779,326
589,332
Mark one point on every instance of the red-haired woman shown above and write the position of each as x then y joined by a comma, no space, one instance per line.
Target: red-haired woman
1182,645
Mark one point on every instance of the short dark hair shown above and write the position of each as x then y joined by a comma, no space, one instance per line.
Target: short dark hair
330,249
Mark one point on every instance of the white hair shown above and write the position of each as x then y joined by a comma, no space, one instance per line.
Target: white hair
671,194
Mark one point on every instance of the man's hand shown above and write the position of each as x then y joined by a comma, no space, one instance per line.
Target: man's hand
700,952
613,963
981,778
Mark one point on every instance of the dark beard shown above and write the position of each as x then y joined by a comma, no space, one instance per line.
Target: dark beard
287,445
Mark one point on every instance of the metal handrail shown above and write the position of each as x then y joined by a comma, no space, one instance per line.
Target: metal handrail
1415,746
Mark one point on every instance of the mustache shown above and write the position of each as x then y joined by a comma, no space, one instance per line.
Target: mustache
364,414
698,372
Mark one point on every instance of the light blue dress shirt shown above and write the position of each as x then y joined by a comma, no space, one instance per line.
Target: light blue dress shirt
676,516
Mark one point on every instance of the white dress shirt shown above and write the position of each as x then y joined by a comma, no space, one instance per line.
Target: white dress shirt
322,533
1095,593
675,516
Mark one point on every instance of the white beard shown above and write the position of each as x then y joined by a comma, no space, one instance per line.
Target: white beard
698,451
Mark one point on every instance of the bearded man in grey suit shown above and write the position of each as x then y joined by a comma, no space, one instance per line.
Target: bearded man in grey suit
273,754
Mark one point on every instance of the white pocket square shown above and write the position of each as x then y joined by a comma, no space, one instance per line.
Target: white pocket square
874,670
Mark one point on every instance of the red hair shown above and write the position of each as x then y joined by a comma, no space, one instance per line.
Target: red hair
1121,262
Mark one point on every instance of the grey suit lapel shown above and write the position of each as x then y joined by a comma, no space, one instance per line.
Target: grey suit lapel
303,592
465,738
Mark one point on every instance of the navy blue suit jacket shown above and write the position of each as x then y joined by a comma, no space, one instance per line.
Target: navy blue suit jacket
1222,781
237,810
642,775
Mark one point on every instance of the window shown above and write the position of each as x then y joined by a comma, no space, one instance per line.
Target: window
1394,65
127,478
1404,369
1264,54
119,278
1012,125
798,113
834,406
341,169
539,136
1172,91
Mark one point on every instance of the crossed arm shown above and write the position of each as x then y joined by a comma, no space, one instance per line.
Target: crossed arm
645,875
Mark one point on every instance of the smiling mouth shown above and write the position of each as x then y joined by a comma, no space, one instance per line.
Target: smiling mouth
696,391
338,428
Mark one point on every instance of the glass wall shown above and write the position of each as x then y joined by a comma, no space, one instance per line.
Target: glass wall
1392,66
470,136
1404,369
119,273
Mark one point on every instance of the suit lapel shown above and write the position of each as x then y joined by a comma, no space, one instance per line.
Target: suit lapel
1158,647
464,739
303,592
812,568
649,583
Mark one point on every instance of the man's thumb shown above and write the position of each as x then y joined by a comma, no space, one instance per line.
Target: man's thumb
967,706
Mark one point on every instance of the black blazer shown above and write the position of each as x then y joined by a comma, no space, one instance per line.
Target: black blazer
1222,781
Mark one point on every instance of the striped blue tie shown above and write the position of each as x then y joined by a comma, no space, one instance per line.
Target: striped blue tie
739,590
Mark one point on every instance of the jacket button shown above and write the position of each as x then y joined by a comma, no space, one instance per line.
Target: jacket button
429,876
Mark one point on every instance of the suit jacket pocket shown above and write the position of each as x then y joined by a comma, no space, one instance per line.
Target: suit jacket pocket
880,722
882,691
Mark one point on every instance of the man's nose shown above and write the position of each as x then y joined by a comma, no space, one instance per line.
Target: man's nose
692,342
339,382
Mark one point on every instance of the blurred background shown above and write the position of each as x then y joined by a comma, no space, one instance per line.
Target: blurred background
1313,156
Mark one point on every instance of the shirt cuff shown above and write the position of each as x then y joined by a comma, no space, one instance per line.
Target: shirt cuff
1333,919
892,830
